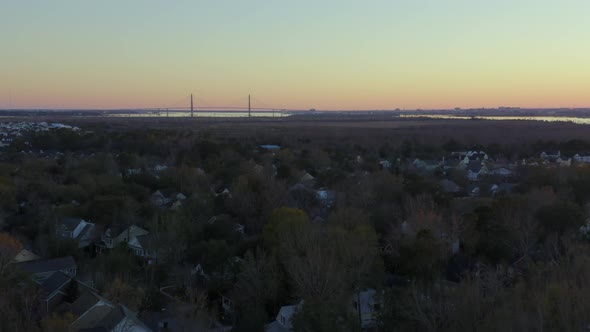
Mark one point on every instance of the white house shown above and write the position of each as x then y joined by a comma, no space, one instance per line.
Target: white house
71,228
385,164
76,229
283,322
426,165
582,158
474,191
158,199
113,237
502,171
137,239
550,154
564,162
366,305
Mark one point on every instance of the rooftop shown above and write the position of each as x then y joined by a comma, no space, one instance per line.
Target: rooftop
47,265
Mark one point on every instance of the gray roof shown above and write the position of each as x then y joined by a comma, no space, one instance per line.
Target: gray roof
47,265
450,186
101,318
54,283
91,318
113,318
70,224
147,241
87,236
276,327
86,301
474,166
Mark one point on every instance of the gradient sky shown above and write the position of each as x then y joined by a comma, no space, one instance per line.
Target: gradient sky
324,54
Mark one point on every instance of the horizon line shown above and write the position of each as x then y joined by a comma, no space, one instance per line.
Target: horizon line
271,110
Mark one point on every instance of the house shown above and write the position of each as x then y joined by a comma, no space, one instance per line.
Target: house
239,228
564,162
54,289
476,169
158,199
227,304
283,321
385,164
144,246
478,156
583,157
52,275
502,188
307,179
426,165
77,229
471,157
224,192
178,199
95,313
134,171
25,256
137,238
450,186
160,168
501,171
326,197
42,269
550,155
115,235
367,305
530,162
449,164
474,191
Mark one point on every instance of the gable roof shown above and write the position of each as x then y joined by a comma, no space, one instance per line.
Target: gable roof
450,186
286,312
47,265
100,318
25,256
70,224
104,316
54,283
133,231
147,241
113,318
91,318
474,166
86,301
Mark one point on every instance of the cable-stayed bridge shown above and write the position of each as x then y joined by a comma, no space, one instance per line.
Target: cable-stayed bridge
191,105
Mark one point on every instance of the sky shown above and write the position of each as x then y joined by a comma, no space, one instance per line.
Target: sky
322,54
